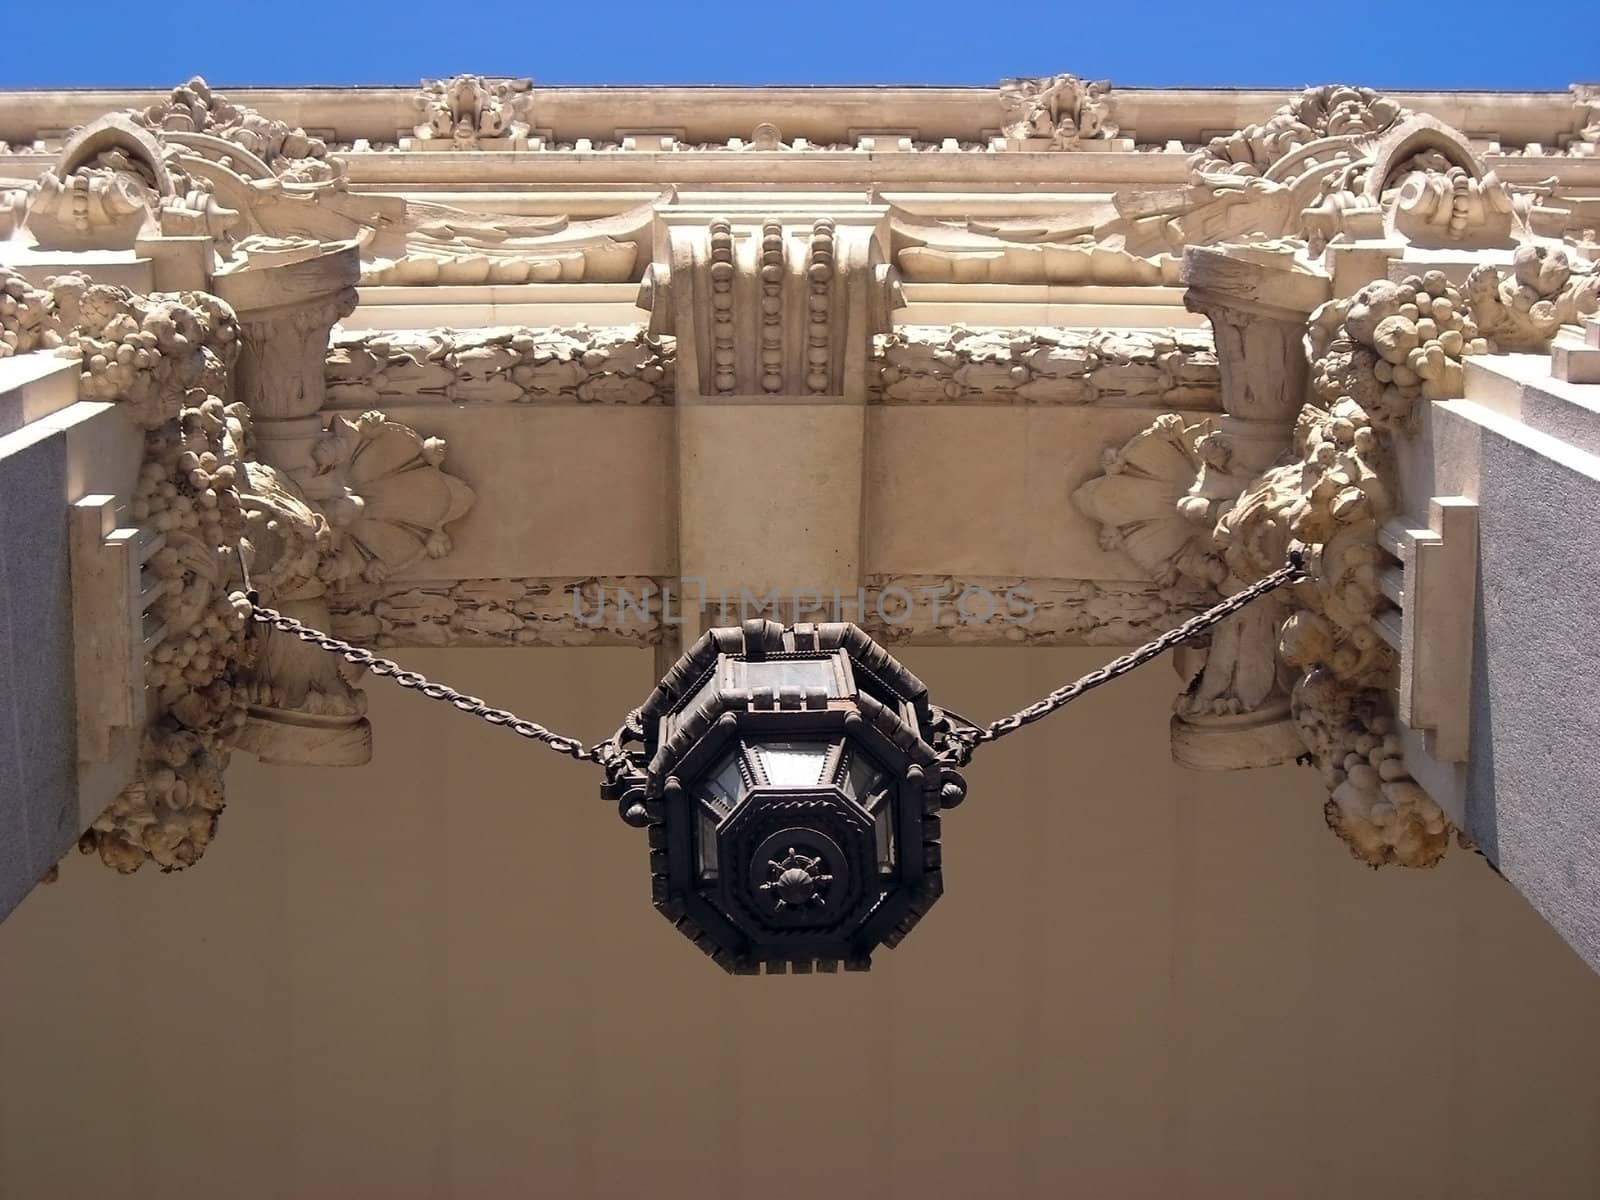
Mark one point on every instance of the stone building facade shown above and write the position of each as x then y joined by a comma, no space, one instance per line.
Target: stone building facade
1048,365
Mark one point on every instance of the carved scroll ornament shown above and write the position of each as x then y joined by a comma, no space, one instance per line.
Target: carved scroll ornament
193,108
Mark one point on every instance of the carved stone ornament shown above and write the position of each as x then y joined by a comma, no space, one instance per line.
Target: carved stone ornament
112,186
1171,500
500,366
144,351
1421,184
383,489
172,355
259,189
1058,112
771,308
1134,368
1522,310
1222,503
438,244
1144,506
193,108
1331,111
28,318
1374,358
471,112
1337,163
252,212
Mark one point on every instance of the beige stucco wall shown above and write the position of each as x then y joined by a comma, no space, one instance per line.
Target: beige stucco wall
439,976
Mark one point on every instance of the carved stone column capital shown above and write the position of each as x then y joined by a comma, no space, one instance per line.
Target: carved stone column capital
1257,299
287,305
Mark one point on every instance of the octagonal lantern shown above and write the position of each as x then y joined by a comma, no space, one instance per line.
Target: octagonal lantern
791,786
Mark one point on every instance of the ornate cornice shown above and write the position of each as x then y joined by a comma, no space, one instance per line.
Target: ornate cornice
379,117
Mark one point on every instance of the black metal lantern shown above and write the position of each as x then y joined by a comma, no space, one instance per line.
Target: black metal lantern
791,779
791,787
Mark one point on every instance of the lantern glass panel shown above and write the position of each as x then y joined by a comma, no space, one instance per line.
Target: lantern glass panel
793,764
706,850
722,786
803,673
862,777
883,831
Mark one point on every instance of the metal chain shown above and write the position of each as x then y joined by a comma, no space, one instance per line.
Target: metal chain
471,705
962,740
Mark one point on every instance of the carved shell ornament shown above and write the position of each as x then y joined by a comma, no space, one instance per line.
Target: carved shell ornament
381,485
1144,506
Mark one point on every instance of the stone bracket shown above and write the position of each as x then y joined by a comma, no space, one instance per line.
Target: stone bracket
110,599
1430,581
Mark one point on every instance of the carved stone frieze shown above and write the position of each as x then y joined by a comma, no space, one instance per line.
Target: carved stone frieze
500,366
556,611
1082,248
1137,368
470,112
645,611
989,611
1336,164
255,190
1058,112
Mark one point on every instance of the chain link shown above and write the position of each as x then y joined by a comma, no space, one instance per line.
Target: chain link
963,738
386,668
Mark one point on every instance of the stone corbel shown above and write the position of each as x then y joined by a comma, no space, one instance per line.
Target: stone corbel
781,306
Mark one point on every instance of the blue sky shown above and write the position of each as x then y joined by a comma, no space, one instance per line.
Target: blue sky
1525,44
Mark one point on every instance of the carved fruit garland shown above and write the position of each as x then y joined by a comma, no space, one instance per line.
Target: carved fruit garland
1374,357
1545,290
27,316
161,354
